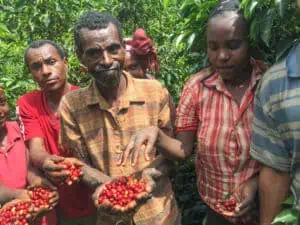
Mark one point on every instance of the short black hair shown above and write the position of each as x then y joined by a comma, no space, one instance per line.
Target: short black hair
94,20
40,43
229,6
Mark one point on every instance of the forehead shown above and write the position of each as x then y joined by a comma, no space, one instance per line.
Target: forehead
225,26
41,53
102,37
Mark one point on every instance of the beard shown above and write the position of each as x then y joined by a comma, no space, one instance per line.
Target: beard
107,77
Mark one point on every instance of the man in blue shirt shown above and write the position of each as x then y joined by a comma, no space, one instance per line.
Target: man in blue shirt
276,135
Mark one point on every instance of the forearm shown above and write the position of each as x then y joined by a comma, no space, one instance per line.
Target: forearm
37,152
93,177
171,148
273,190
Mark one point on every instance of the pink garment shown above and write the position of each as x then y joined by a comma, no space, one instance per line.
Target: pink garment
13,166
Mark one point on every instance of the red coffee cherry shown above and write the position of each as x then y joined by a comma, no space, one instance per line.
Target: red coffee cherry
122,194
74,172
15,214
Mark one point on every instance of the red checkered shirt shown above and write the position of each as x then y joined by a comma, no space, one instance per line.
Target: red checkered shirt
223,132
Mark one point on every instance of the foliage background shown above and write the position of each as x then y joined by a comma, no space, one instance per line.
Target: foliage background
176,26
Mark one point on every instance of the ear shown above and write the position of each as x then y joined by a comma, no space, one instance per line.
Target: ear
83,68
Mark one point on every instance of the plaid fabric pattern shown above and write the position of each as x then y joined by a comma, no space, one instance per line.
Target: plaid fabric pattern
223,132
98,133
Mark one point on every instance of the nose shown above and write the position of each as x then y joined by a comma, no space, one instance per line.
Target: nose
46,71
223,55
107,60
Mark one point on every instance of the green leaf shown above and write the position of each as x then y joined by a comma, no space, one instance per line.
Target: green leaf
286,216
289,200
281,7
179,39
191,40
266,27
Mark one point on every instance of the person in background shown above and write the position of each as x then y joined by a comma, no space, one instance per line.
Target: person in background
140,56
98,121
40,122
216,110
16,172
276,138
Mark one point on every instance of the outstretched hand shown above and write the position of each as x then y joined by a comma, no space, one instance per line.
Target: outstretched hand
142,142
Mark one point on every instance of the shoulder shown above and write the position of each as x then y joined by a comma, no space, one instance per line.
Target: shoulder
30,97
274,77
195,80
13,126
30,101
76,98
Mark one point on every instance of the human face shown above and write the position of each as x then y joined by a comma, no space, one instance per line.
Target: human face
132,65
47,67
227,45
103,55
4,109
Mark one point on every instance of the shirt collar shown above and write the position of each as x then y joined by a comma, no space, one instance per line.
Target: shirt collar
293,62
216,81
131,94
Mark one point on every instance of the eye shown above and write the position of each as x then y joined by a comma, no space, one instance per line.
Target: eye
35,66
51,61
93,52
114,49
3,101
234,44
212,46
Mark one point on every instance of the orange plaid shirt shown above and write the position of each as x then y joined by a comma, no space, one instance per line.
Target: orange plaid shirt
98,134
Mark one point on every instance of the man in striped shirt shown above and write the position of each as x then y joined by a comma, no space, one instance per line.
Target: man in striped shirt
276,136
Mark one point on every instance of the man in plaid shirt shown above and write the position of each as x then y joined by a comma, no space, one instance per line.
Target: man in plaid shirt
97,122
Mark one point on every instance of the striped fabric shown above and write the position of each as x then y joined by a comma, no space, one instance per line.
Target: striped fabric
223,132
97,134
276,123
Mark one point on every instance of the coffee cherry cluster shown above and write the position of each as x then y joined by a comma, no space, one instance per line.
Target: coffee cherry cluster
75,172
15,214
40,197
228,205
123,193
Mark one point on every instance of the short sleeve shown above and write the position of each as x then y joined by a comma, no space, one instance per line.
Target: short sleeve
267,145
70,138
187,113
28,119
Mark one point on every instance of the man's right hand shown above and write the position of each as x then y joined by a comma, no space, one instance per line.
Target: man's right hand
53,170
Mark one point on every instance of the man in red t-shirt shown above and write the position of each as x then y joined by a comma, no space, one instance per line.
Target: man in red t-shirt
38,115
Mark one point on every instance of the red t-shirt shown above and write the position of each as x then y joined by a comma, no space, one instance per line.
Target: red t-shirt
37,120
13,166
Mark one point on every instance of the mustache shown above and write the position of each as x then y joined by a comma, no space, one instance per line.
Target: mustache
100,69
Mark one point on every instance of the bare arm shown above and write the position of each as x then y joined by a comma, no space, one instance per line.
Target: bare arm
37,151
176,149
273,190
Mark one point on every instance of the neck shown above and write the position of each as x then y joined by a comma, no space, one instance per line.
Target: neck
111,94
243,78
54,97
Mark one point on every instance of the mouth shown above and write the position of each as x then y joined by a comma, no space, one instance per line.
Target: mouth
50,81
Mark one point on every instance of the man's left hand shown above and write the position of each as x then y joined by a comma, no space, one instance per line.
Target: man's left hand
150,175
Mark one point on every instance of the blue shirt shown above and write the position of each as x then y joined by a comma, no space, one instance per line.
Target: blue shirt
276,123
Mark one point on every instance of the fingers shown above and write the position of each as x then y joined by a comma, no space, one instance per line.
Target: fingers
127,152
148,149
139,146
75,162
